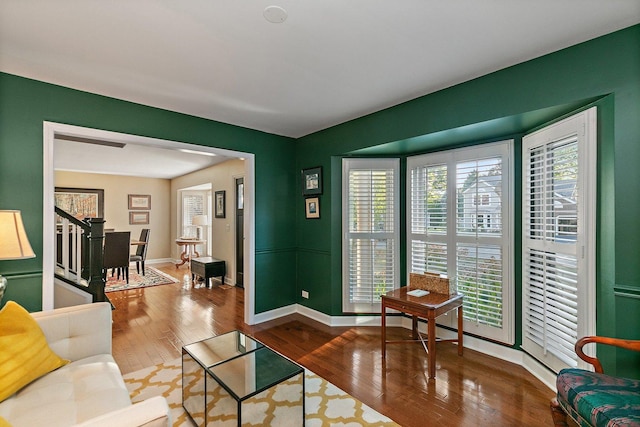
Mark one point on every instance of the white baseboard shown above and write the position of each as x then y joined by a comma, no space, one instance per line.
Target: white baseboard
160,261
498,351
274,314
539,371
345,320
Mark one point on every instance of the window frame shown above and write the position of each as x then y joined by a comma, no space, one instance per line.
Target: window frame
188,230
349,164
584,126
451,158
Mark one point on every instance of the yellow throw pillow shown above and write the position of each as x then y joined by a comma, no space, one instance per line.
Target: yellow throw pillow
4,423
24,353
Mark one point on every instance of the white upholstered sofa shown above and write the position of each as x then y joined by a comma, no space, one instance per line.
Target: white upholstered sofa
90,390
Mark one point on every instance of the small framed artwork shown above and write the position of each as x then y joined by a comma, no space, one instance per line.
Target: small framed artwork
220,204
312,181
136,218
312,207
139,202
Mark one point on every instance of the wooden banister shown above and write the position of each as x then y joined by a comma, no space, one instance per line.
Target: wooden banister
80,253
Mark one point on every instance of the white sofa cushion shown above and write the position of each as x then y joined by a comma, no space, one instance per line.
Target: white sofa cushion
75,393
79,331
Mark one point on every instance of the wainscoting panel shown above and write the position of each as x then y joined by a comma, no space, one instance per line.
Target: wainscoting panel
25,289
275,279
627,299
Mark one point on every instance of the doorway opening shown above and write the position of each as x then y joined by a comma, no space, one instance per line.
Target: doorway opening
52,131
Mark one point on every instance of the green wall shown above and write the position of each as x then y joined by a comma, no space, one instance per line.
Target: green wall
25,104
604,72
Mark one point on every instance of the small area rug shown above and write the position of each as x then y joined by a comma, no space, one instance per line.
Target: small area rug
152,277
325,404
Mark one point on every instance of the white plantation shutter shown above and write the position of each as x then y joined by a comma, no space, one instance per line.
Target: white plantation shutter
479,278
429,219
480,271
193,203
371,232
558,231
459,220
552,312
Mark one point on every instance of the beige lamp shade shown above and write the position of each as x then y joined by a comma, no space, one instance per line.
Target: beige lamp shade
200,220
14,243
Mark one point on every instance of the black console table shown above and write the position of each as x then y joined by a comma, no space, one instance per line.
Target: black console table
208,267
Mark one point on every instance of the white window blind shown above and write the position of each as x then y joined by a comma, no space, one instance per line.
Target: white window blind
193,203
558,231
459,211
371,227
429,218
479,251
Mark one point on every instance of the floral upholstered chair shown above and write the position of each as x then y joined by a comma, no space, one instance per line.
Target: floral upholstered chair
593,398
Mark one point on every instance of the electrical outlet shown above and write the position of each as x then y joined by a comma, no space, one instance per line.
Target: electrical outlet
305,294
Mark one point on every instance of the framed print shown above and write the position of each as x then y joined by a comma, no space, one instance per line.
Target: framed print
312,181
138,218
139,202
80,202
220,204
312,207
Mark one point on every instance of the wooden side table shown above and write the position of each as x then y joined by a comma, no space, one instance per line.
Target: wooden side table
208,267
427,307
188,249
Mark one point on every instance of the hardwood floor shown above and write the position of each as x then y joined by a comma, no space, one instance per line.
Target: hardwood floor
152,324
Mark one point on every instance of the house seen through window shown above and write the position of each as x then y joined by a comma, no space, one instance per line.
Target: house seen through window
459,220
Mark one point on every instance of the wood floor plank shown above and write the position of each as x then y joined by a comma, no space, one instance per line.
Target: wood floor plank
152,324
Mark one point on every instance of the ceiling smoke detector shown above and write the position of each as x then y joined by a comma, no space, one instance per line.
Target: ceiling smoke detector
275,14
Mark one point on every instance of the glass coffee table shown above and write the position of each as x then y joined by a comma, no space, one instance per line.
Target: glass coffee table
232,379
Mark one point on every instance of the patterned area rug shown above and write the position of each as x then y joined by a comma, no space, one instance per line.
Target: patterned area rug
152,277
325,404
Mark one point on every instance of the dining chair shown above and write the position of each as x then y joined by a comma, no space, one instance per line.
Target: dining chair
116,253
141,251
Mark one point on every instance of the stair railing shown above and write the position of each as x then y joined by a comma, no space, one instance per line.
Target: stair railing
79,251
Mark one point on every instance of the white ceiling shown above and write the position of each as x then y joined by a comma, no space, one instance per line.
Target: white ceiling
134,159
330,61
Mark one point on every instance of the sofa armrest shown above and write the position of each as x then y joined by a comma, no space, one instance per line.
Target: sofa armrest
153,412
79,331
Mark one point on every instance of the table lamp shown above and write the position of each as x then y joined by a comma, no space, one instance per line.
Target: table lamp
14,243
199,221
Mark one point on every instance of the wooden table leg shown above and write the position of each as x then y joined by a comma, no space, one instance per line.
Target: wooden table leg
431,345
384,329
460,331
183,257
187,253
414,327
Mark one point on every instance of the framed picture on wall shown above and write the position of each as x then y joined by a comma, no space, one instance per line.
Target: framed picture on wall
220,204
139,202
312,181
141,218
312,208
80,202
